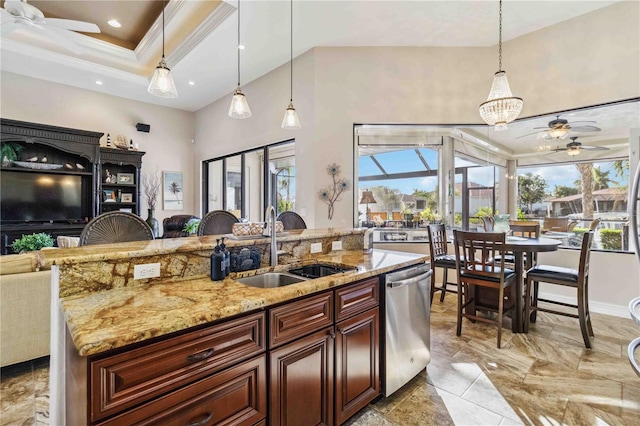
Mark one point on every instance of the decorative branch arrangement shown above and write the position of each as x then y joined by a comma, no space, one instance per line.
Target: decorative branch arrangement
330,194
151,184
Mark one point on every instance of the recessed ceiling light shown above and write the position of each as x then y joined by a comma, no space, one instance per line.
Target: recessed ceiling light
98,82
241,46
114,23
192,83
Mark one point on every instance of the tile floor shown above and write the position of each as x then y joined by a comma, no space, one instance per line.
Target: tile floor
545,377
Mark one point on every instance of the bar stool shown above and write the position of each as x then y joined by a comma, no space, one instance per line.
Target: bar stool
440,259
578,279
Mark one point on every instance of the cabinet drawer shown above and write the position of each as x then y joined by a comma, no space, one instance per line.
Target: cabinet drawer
236,396
133,377
294,320
357,298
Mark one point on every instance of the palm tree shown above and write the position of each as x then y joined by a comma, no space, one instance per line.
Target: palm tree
586,173
175,190
601,179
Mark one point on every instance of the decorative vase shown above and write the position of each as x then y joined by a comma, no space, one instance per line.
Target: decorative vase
501,223
153,222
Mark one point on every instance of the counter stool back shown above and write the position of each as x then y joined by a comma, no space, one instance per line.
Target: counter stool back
115,227
578,279
217,222
291,220
440,259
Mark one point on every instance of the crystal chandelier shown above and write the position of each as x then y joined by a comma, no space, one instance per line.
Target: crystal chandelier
162,84
501,107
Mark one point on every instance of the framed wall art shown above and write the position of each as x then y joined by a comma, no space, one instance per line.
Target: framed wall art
172,191
127,198
125,178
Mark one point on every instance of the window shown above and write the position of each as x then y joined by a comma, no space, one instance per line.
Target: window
241,183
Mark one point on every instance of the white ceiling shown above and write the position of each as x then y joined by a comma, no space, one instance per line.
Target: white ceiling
207,56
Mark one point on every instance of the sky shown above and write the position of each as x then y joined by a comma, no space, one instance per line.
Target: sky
407,160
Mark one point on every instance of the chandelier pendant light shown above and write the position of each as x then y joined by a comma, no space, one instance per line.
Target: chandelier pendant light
239,107
162,84
291,120
501,107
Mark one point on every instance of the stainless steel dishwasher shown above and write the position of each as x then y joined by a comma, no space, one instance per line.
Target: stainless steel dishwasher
407,305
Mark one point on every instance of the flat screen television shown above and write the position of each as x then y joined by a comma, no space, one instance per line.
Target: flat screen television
41,197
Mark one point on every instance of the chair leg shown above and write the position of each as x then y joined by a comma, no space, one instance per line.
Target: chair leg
534,302
500,308
586,306
445,278
459,326
582,317
433,283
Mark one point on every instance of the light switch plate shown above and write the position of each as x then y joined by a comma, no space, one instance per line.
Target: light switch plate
336,245
147,270
316,248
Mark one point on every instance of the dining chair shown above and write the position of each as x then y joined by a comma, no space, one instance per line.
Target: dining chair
475,262
440,259
291,220
578,279
217,222
115,227
523,229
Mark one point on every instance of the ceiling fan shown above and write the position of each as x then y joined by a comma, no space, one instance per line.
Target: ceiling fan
19,14
574,147
559,128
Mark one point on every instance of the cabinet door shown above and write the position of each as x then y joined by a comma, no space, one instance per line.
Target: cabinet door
357,363
236,396
301,385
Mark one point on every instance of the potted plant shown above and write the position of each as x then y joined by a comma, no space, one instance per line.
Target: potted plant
191,226
32,242
10,151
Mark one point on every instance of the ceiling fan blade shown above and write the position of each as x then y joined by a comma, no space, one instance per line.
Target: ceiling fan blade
59,36
594,148
585,129
528,134
582,121
69,24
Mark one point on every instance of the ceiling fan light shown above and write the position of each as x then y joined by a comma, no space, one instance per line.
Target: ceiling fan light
291,120
573,151
501,107
558,132
162,84
239,107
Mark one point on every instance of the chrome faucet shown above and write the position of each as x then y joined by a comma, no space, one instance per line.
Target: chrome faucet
270,218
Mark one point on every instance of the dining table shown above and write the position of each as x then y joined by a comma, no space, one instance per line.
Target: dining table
519,246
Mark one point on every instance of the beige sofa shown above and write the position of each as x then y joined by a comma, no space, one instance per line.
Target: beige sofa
25,300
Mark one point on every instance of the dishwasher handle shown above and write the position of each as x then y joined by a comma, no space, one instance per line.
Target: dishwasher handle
411,280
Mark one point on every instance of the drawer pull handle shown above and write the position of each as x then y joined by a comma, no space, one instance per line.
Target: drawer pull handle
201,422
200,355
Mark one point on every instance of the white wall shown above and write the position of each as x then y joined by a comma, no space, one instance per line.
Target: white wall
168,145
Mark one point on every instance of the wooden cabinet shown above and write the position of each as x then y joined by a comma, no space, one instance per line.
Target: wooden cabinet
119,186
187,378
342,355
301,381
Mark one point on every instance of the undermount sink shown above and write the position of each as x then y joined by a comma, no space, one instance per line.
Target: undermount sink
271,280
318,270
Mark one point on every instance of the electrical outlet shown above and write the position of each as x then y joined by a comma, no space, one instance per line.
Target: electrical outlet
336,245
316,248
147,270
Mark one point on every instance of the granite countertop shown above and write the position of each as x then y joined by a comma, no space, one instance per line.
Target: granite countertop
106,320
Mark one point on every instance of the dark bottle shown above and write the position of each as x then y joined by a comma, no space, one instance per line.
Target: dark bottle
227,257
217,264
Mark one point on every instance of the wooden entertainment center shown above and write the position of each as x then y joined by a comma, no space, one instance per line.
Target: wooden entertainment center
61,154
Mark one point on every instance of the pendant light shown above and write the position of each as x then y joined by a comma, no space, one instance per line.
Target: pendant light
501,107
291,120
162,84
239,107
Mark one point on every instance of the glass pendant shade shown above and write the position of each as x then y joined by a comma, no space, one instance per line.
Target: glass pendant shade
290,120
162,84
558,132
239,106
501,107
573,151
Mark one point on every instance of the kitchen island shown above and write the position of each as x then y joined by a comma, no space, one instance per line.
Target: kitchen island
107,324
